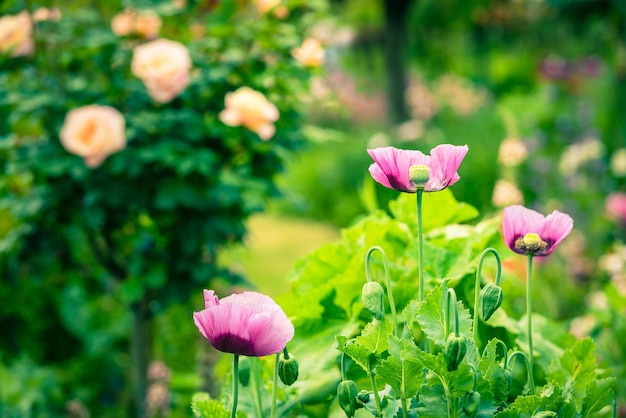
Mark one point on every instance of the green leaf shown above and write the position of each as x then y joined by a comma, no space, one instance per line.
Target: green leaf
493,373
574,372
431,319
203,406
600,393
432,402
403,376
374,336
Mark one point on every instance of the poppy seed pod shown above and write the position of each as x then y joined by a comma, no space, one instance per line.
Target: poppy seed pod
373,297
346,395
456,348
490,300
288,370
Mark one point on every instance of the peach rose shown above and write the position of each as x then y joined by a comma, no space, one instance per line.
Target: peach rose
163,66
148,24
264,6
16,34
123,23
93,132
42,14
251,109
310,54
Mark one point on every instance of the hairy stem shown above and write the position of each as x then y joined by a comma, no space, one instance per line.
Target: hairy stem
529,314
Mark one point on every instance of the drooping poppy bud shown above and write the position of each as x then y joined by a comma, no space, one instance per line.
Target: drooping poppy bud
470,403
373,297
455,350
288,370
346,395
490,300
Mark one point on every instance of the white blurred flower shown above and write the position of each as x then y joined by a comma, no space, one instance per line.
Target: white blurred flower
512,152
411,130
310,54
582,326
577,155
506,193
618,163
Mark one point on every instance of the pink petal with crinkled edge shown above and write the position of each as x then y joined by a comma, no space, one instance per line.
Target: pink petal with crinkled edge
517,222
556,227
444,163
391,167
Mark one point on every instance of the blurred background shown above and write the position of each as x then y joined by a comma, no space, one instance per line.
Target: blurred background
102,266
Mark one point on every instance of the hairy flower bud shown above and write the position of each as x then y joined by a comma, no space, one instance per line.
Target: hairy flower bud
373,297
346,395
288,370
490,300
456,348
470,403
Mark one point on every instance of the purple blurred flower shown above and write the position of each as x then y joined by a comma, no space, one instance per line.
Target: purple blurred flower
616,206
391,167
248,323
529,232
554,67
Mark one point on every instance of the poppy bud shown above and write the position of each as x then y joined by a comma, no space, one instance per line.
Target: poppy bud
288,370
470,403
455,350
373,297
346,395
490,300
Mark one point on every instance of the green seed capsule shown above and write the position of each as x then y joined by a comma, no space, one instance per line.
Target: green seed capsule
490,300
455,350
288,370
346,395
470,403
373,296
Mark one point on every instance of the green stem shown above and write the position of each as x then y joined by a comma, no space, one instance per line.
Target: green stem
392,305
275,385
233,410
254,381
505,351
450,305
379,408
343,367
420,244
403,401
529,370
478,283
529,314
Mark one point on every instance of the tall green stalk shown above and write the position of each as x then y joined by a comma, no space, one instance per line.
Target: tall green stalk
529,314
379,408
233,409
478,283
420,244
368,276
256,386
275,385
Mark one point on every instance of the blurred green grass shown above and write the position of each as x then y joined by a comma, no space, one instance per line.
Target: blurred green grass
272,246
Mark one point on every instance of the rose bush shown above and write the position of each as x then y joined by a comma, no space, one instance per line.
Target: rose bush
121,183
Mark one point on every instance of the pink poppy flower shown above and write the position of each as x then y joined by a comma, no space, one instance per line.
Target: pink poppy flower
248,323
529,232
616,206
391,167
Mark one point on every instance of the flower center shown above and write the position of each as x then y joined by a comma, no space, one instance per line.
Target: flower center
235,344
419,174
530,243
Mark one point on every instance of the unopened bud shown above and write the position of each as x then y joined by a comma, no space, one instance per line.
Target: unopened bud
470,403
456,348
373,297
490,300
419,174
346,395
288,370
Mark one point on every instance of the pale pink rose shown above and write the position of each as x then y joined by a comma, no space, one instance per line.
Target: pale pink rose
251,109
163,66
123,23
148,24
615,205
279,10
310,54
43,14
16,34
93,132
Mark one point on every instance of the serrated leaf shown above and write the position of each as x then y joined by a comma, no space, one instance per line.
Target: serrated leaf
574,371
203,406
599,394
432,402
431,319
403,376
409,314
356,352
374,336
493,372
